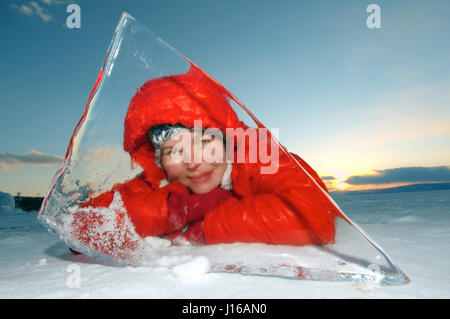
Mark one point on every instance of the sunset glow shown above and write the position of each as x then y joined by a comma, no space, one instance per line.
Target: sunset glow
360,106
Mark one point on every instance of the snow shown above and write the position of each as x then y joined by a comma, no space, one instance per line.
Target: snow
6,201
414,228
193,269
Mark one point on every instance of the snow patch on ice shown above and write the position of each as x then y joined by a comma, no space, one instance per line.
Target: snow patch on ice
42,262
192,270
406,220
183,267
157,243
170,261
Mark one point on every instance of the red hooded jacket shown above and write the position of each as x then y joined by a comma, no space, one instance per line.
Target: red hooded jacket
285,207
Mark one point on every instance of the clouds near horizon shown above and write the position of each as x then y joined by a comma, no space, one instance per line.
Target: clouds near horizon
9,161
413,174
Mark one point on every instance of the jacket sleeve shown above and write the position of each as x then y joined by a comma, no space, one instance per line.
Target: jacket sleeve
282,208
114,222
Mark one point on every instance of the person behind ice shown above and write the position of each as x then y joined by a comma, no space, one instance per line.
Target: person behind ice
237,203
208,180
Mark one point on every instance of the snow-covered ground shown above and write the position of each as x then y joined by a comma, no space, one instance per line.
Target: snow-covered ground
413,228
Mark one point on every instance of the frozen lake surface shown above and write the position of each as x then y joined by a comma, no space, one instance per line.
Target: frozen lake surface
412,227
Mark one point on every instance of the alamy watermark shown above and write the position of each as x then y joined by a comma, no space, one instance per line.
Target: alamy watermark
239,145
374,19
74,279
73,21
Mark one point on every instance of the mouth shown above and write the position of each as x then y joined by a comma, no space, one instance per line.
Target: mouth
201,178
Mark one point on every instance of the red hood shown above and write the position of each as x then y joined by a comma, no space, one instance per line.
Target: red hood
280,208
174,99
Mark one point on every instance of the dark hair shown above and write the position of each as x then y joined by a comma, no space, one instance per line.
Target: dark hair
160,132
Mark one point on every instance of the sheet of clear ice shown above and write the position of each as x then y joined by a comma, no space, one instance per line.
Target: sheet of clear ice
95,161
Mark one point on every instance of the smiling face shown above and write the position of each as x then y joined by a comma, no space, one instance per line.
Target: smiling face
195,160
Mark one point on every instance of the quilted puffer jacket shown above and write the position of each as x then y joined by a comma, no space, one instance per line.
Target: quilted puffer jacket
284,207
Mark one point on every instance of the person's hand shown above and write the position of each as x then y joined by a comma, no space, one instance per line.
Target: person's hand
191,234
184,209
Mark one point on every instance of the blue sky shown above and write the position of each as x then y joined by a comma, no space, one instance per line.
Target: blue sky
348,99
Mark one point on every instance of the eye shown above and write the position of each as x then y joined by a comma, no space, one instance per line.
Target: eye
176,152
166,151
207,138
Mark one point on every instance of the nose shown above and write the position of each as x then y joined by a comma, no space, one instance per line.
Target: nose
194,158
192,165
